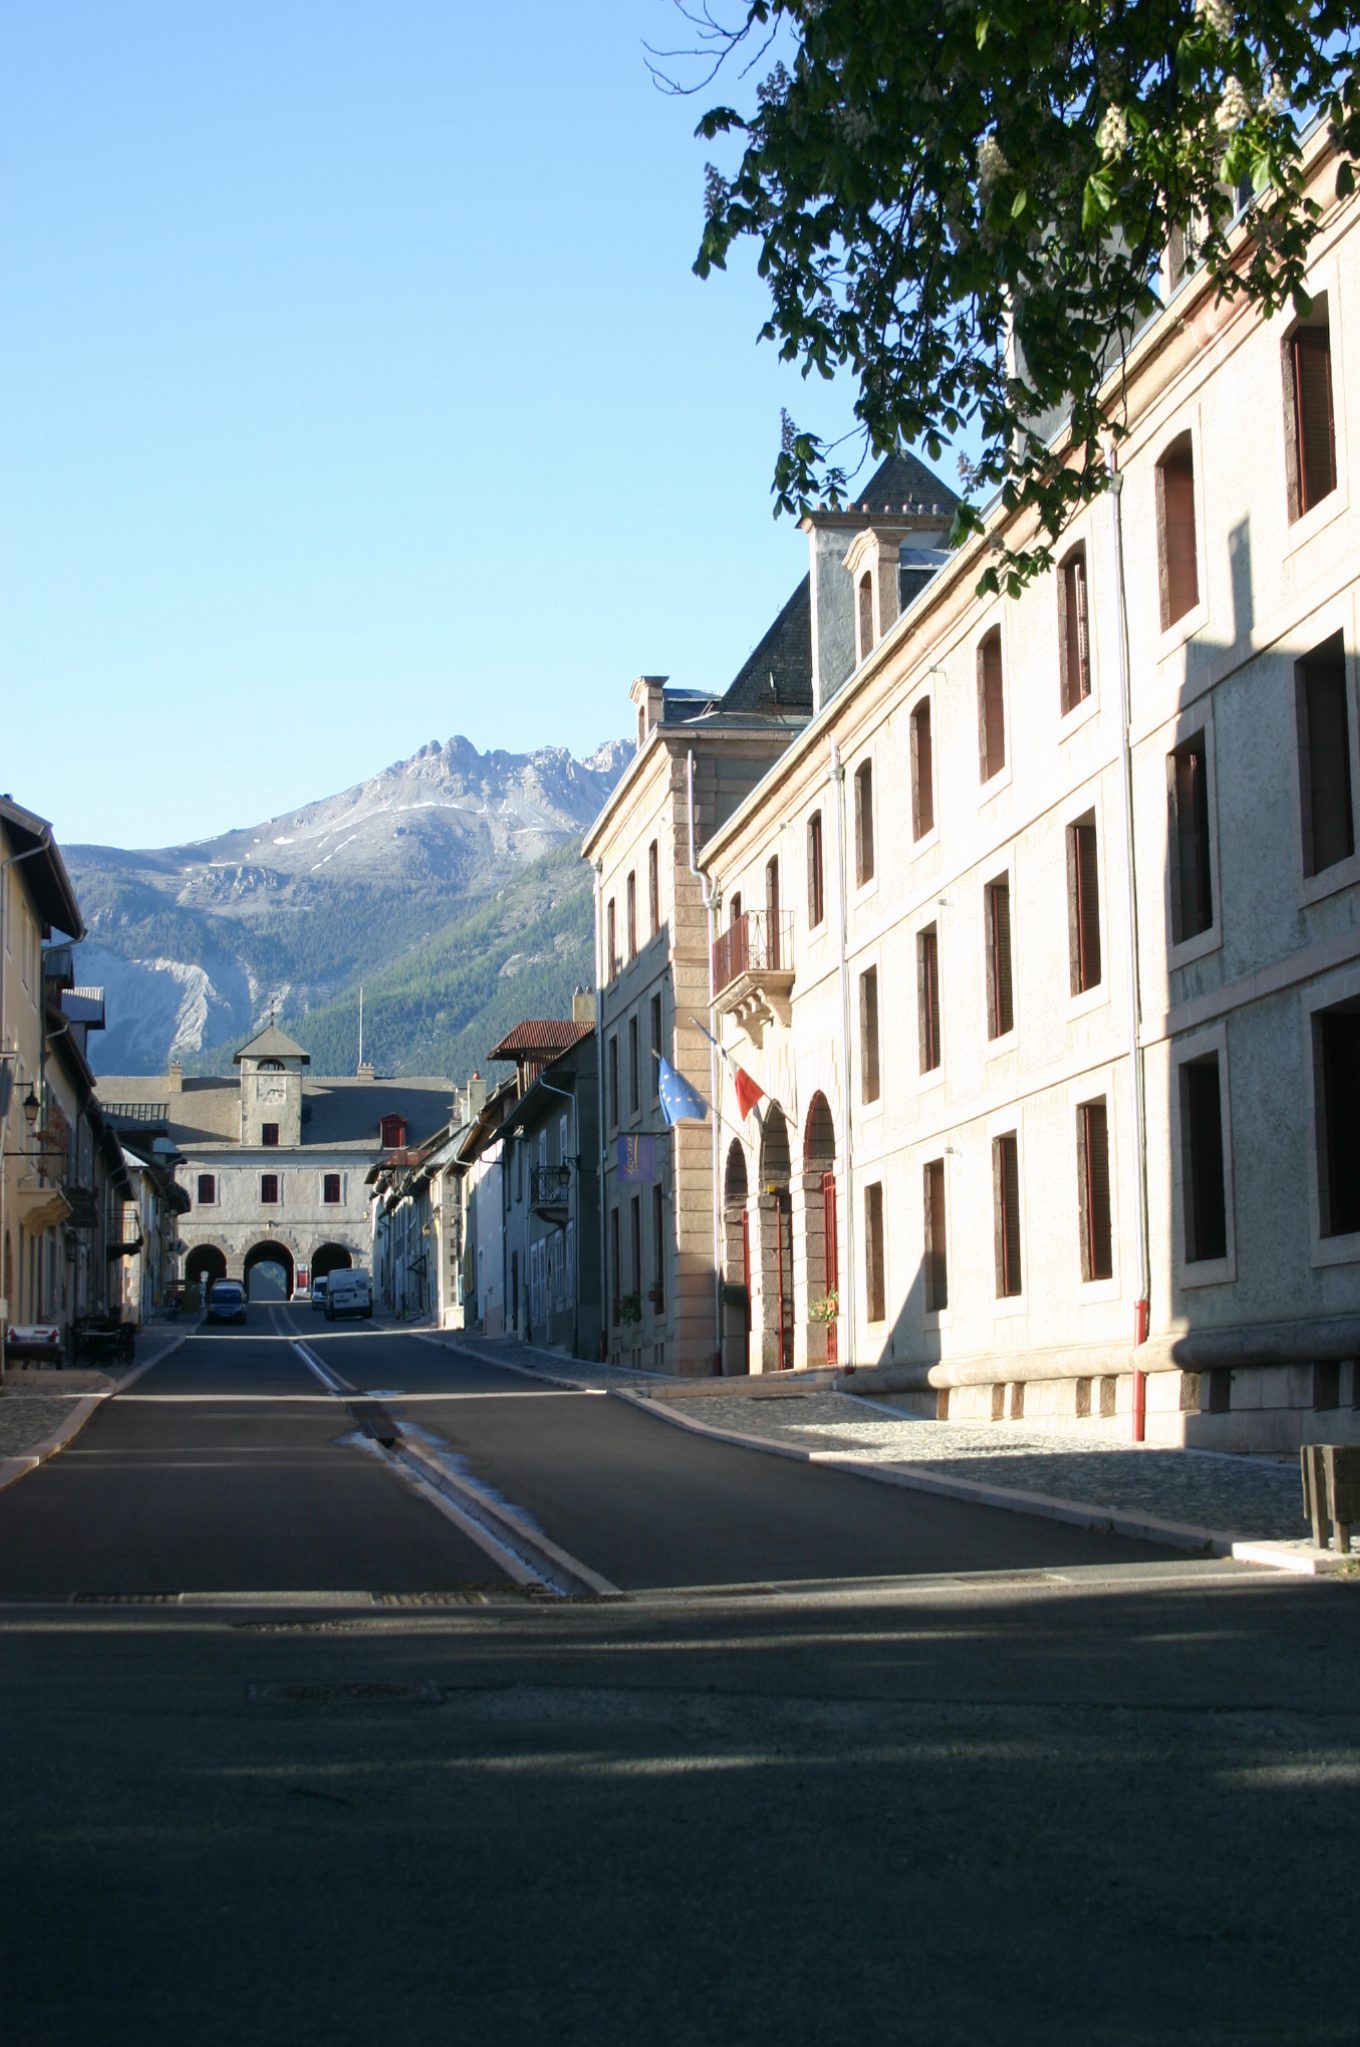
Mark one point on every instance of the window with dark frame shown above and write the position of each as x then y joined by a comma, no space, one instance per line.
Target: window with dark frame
772,932
1006,1214
864,823
653,889
655,1021
634,1065
1311,429
658,1248
1083,903
1000,999
269,1190
269,1133
1322,707
816,885
1074,630
1093,1182
611,937
1336,1056
330,1189
1176,545
630,916
875,1288
991,706
635,1243
866,615
207,1190
1202,1180
922,772
614,1082
1187,795
928,996
615,1265
936,1263
868,1035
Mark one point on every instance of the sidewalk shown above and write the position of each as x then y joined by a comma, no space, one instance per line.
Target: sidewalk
41,1410
1197,1500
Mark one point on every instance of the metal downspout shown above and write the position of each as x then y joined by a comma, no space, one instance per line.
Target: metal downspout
1141,1304
711,897
849,1281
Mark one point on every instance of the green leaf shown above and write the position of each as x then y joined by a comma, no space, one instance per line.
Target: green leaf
1018,204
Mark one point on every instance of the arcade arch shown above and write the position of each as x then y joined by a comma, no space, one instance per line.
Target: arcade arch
821,1242
736,1315
269,1272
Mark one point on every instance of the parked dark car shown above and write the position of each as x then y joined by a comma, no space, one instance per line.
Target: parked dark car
227,1301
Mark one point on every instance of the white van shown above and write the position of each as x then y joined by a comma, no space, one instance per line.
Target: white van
349,1293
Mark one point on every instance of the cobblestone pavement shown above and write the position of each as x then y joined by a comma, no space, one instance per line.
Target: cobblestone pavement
1255,1499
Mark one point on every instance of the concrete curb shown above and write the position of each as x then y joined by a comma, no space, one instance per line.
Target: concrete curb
12,1469
563,1572
1047,1507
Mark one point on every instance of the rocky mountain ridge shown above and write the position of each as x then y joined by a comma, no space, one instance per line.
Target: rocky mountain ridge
194,944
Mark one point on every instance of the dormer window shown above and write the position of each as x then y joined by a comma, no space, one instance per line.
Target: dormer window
270,1066
393,1132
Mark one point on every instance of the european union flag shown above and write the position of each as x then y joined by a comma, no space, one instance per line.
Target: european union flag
680,1103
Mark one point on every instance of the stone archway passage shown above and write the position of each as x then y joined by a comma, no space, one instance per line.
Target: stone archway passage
330,1258
204,1264
776,1244
736,1296
269,1272
821,1251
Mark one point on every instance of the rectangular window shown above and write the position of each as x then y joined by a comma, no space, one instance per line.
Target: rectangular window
864,823
653,888
1324,756
991,707
922,772
936,1268
874,1288
635,1244
1205,1201
1176,531
1083,903
655,1017
1006,1214
928,996
868,1035
615,1266
269,1190
772,933
207,1190
269,1133
1308,394
630,899
658,1249
1337,1083
1093,1180
1074,630
634,1076
1000,1001
614,1083
1187,793
611,937
330,1189
816,891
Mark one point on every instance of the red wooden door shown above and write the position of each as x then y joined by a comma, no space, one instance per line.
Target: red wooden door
833,1260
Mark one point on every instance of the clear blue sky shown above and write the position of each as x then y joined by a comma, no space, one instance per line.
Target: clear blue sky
355,391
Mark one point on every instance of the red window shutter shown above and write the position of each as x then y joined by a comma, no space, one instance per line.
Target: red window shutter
1006,1208
1313,427
876,1305
816,903
1325,744
1192,899
868,1035
1176,531
1083,886
928,997
864,823
936,1264
1000,1004
1093,1145
1075,631
991,708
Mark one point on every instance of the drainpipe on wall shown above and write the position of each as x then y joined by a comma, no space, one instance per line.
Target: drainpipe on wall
847,1318
1141,1304
711,899
599,1097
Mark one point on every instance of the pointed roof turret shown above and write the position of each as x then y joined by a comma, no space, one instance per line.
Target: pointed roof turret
272,1043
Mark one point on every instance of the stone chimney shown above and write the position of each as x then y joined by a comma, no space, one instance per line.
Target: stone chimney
583,1006
647,694
366,1070
176,1080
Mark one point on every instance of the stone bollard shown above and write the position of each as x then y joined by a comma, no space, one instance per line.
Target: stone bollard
1331,1491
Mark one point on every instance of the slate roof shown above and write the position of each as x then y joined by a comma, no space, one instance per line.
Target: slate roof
777,674
901,484
272,1043
339,1112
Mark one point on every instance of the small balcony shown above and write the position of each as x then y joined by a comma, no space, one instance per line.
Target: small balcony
753,969
549,1190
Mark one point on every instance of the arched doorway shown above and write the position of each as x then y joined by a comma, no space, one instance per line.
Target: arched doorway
204,1264
269,1273
736,1318
821,1237
776,1244
330,1258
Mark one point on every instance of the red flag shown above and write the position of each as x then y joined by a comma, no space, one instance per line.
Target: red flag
749,1091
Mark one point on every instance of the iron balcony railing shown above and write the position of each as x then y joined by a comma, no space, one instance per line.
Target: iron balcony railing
549,1186
758,942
